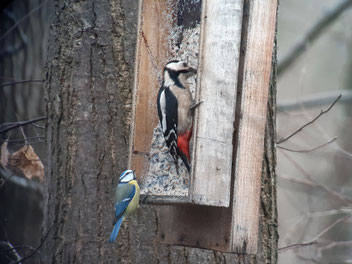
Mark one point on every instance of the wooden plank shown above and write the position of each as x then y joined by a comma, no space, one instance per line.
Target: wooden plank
151,56
196,226
217,82
258,47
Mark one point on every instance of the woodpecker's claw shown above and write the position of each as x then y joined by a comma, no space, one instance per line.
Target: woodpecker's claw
195,105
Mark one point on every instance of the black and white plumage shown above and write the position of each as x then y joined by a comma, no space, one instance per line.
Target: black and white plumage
174,109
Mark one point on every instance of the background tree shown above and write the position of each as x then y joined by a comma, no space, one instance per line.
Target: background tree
88,102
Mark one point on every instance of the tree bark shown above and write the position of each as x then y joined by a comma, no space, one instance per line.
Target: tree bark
88,96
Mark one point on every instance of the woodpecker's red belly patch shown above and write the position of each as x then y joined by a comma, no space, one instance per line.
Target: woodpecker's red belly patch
183,143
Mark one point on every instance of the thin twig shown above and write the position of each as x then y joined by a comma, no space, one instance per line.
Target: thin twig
24,18
319,99
38,126
29,139
3,183
295,226
314,240
310,122
37,249
312,35
308,150
334,244
29,144
19,247
313,183
337,195
307,260
12,49
21,81
24,136
8,126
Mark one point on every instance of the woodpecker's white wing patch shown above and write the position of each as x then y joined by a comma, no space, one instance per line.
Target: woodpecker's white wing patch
163,110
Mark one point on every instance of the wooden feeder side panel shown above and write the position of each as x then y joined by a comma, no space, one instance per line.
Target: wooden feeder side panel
150,56
217,85
196,226
212,227
258,45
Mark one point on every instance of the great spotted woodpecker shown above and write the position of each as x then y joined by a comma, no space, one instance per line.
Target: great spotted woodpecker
175,106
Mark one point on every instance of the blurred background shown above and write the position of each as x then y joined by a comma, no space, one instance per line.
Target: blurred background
314,187
314,166
24,28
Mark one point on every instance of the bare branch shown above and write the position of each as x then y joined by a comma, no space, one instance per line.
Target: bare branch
38,126
295,226
19,247
37,249
24,18
313,100
17,46
310,122
308,150
29,139
4,181
21,81
8,126
296,245
314,240
39,141
313,183
334,244
312,35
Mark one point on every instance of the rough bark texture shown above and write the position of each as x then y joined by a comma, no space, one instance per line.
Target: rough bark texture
89,80
87,94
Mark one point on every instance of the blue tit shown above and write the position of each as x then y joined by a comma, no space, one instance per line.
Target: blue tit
126,198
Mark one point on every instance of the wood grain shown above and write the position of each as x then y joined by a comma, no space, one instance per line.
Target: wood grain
258,47
151,56
217,85
196,226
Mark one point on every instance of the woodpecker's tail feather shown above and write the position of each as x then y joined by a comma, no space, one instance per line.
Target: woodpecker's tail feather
115,231
184,159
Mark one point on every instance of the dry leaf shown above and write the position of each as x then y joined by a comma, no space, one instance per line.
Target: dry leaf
4,155
27,162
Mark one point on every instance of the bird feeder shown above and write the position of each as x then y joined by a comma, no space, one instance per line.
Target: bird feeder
216,206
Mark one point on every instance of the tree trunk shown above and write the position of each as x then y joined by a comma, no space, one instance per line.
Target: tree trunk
88,96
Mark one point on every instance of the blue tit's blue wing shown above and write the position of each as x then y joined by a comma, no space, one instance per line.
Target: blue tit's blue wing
120,208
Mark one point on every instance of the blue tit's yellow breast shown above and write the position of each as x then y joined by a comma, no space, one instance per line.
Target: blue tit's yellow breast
133,205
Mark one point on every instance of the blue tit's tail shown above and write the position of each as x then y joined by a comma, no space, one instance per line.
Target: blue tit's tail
115,231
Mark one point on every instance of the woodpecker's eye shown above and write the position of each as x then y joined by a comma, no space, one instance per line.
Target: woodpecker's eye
184,64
